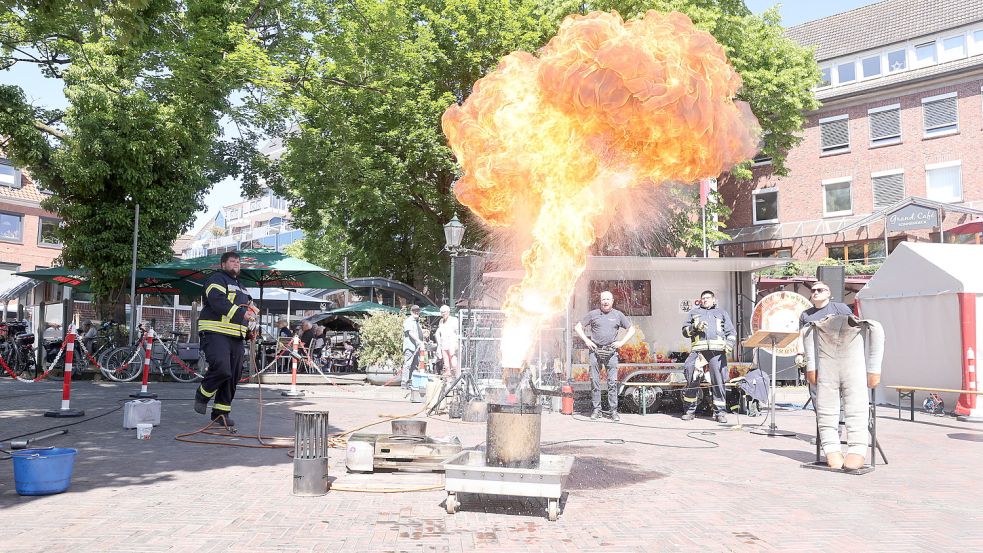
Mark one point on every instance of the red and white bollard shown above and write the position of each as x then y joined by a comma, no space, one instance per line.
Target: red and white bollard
66,388
969,408
148,350
293,391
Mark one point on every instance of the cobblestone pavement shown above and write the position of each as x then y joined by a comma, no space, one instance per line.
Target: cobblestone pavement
650,483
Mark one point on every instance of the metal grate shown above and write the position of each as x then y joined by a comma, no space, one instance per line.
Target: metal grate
835,135
311,435
888,189
941,115
885,126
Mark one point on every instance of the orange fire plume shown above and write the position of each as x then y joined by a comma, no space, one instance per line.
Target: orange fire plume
606,105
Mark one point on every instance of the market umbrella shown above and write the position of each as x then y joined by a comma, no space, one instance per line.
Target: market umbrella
148,281
430,311
260,268
364,307
971,227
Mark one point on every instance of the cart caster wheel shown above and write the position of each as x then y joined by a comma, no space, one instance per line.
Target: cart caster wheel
451,503
553,509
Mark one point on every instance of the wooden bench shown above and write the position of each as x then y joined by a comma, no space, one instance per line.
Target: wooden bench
909,393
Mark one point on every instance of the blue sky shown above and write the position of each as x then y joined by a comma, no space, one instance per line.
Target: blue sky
48,91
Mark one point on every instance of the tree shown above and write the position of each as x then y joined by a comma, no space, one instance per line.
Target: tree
368,169
147,82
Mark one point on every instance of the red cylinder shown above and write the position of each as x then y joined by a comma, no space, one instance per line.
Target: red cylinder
566,406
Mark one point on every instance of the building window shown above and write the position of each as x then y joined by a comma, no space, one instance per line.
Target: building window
761,159
897,61
834,134
944,182
9,175
11,227
888,188
783,253
925,54
765,206
846,72
940,114
885,125
826,77
858,252
837,197
977,47
871,66
48,232
7,270
954,48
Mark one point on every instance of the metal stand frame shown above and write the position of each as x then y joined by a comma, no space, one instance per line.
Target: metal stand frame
464,384
875,446
772,429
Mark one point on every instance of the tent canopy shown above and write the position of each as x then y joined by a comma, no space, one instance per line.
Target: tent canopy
279,294
927,269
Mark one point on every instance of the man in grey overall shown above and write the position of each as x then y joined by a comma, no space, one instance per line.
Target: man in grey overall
603,325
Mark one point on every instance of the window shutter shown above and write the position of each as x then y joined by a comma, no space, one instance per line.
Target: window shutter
835,135
940,114
888,189
885,125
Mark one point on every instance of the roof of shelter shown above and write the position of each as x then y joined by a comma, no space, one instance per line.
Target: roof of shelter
883,23
620,264
927,269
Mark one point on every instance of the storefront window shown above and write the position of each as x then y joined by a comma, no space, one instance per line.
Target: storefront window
860,252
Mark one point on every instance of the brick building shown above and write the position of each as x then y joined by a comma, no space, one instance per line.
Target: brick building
897,139
27,239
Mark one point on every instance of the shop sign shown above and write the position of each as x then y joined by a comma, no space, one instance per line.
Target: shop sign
912,217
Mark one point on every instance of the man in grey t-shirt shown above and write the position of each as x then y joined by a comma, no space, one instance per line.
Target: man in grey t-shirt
822,307
603,325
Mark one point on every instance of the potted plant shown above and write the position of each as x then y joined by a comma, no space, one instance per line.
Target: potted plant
381,353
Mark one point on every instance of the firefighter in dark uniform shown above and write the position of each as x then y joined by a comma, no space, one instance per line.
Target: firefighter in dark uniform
223,325
712,337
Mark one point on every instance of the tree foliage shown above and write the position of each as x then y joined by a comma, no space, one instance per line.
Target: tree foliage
147,82
381,337
369,168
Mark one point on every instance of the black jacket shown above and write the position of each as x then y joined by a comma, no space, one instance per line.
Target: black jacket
223,306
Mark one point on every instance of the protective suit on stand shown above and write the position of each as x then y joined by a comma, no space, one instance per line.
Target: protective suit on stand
843,359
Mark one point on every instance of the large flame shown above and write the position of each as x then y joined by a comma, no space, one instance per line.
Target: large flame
607,105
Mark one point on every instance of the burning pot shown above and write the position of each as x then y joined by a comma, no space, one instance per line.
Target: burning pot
513,434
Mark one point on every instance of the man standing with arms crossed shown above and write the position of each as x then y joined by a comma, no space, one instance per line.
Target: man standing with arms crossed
223,324
604,324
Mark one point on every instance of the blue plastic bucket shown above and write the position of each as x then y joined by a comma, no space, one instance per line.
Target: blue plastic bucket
43,471
420,380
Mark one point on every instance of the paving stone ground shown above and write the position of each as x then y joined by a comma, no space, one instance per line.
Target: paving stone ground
651,483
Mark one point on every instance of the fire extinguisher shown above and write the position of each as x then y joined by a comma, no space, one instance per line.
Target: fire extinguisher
566,407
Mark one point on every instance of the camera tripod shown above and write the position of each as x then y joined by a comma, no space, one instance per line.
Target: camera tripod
465,385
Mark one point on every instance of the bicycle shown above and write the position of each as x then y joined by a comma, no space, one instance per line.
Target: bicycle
17,350
125,364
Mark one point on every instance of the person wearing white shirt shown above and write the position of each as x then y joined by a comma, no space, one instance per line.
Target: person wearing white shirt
448,341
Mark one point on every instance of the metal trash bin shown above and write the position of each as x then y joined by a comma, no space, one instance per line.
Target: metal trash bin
311,453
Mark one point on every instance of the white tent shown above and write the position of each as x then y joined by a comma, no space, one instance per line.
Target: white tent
929,297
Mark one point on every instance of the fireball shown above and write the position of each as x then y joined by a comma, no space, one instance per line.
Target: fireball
607,105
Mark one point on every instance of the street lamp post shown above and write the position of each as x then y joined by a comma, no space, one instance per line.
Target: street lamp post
453,233
133,275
